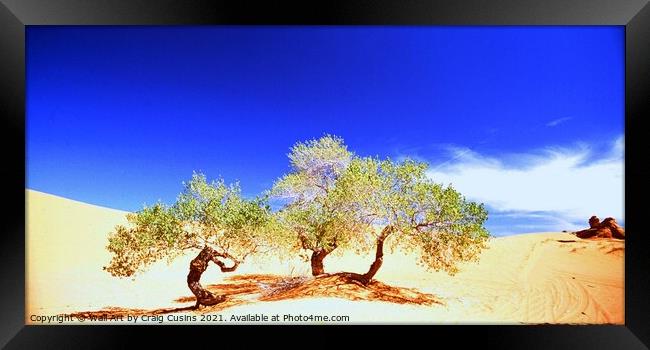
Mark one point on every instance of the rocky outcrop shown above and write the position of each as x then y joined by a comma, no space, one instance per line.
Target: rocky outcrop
617,231
608,228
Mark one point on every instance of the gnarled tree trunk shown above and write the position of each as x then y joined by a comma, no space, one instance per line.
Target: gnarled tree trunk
198,266
317,257
367,277
379,260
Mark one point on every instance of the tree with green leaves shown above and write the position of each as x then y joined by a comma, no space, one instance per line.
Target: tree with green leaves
313,211
399,203
336,200
209,217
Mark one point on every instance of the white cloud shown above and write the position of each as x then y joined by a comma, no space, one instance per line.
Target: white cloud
560,180
558,121
508,223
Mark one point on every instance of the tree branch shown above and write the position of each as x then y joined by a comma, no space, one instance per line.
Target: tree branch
334,246
303,240
223,267
386,232
213,256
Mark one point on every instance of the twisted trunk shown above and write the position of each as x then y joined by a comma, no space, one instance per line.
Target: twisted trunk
379,260
198,266
367,277
317,257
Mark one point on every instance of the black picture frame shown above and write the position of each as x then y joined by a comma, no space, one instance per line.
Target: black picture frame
15,15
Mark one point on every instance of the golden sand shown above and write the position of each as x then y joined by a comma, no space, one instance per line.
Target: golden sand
529,278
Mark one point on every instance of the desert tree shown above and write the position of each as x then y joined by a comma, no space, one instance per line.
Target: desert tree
337,200
209,217
314,211
399,203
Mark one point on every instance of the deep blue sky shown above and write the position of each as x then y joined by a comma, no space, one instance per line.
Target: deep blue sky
119,116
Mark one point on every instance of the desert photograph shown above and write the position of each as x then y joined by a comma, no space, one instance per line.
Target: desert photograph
220,175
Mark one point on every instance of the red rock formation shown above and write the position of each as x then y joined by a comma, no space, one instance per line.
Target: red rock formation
617,231
606,229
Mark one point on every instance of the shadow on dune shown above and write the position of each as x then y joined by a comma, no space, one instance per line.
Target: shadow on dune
340,286
245,289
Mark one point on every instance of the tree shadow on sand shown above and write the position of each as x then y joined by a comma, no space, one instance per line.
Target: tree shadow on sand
245,289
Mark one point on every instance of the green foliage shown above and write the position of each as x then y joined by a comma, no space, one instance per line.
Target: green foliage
323,158
155,233
315,211
205,213
333,200
336,199
424,216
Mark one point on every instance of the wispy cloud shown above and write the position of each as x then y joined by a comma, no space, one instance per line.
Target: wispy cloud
560,183
558,121
502,223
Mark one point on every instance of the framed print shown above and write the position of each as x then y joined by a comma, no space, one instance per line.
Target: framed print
459,166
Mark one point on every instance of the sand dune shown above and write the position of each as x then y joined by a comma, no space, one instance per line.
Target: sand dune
530,278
